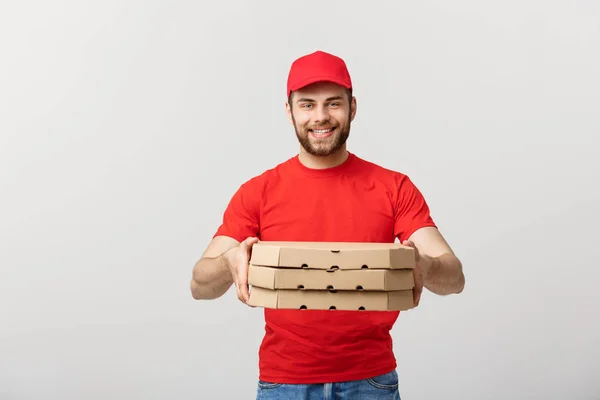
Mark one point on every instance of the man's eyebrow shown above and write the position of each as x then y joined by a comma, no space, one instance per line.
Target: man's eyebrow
306,99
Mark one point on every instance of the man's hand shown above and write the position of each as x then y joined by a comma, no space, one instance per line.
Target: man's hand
423,264
237,260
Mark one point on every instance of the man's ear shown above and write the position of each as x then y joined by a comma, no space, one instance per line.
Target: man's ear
288,110
353,108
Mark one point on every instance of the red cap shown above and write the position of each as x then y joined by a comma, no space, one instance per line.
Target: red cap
316,67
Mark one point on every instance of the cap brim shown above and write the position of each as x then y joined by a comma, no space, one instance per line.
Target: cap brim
315,79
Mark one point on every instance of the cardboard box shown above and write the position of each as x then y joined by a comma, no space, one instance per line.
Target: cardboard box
398,300
314,279
332,255
331,276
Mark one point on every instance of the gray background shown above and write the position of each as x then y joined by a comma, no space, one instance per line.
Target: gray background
127,125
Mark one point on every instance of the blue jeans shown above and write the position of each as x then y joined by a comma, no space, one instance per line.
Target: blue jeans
382,387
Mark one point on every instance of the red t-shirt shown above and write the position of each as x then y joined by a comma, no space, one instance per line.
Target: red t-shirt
357,201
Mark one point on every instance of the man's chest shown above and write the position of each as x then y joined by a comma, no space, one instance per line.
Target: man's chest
339,211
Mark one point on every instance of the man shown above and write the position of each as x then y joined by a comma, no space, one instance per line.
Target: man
325,193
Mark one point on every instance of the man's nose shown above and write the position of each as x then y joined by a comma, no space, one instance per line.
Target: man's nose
321,114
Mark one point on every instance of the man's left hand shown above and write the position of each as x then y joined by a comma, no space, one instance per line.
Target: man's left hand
423,263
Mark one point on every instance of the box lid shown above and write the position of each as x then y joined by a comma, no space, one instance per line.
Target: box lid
314,279
398,300
332,255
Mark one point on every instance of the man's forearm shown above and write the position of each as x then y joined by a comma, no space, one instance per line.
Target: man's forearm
444,275
211,278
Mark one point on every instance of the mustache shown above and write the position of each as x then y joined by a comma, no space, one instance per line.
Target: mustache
318,127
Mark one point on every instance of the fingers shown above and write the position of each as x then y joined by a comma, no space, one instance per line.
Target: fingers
418,288
418,278
250,305
242,277
417,296
242,270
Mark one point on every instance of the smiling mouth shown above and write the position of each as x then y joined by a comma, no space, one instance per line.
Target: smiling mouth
320,133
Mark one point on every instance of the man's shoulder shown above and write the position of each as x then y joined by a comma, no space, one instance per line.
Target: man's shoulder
380,169
268,175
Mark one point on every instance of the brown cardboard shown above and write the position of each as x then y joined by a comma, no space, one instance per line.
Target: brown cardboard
398,300
313,279
332,255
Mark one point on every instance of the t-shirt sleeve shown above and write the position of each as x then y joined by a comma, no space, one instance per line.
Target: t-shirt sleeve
241,217
411,210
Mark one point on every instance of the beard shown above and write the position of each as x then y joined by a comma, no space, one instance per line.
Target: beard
326,146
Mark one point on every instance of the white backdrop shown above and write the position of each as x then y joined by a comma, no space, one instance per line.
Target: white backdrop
125,127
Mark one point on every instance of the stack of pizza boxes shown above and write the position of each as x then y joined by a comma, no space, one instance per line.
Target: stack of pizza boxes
331,276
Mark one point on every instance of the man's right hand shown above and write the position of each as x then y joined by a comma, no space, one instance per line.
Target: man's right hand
237,260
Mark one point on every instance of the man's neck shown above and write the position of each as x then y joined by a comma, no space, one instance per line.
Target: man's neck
316,162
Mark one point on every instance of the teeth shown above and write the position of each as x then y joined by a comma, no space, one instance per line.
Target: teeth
321,131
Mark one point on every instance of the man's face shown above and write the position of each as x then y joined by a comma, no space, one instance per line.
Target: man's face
322,114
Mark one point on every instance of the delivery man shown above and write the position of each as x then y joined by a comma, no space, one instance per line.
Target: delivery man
326,194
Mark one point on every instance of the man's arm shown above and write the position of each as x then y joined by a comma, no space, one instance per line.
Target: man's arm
211,276
441,269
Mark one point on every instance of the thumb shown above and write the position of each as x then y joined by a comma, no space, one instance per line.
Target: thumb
410,243
249,241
